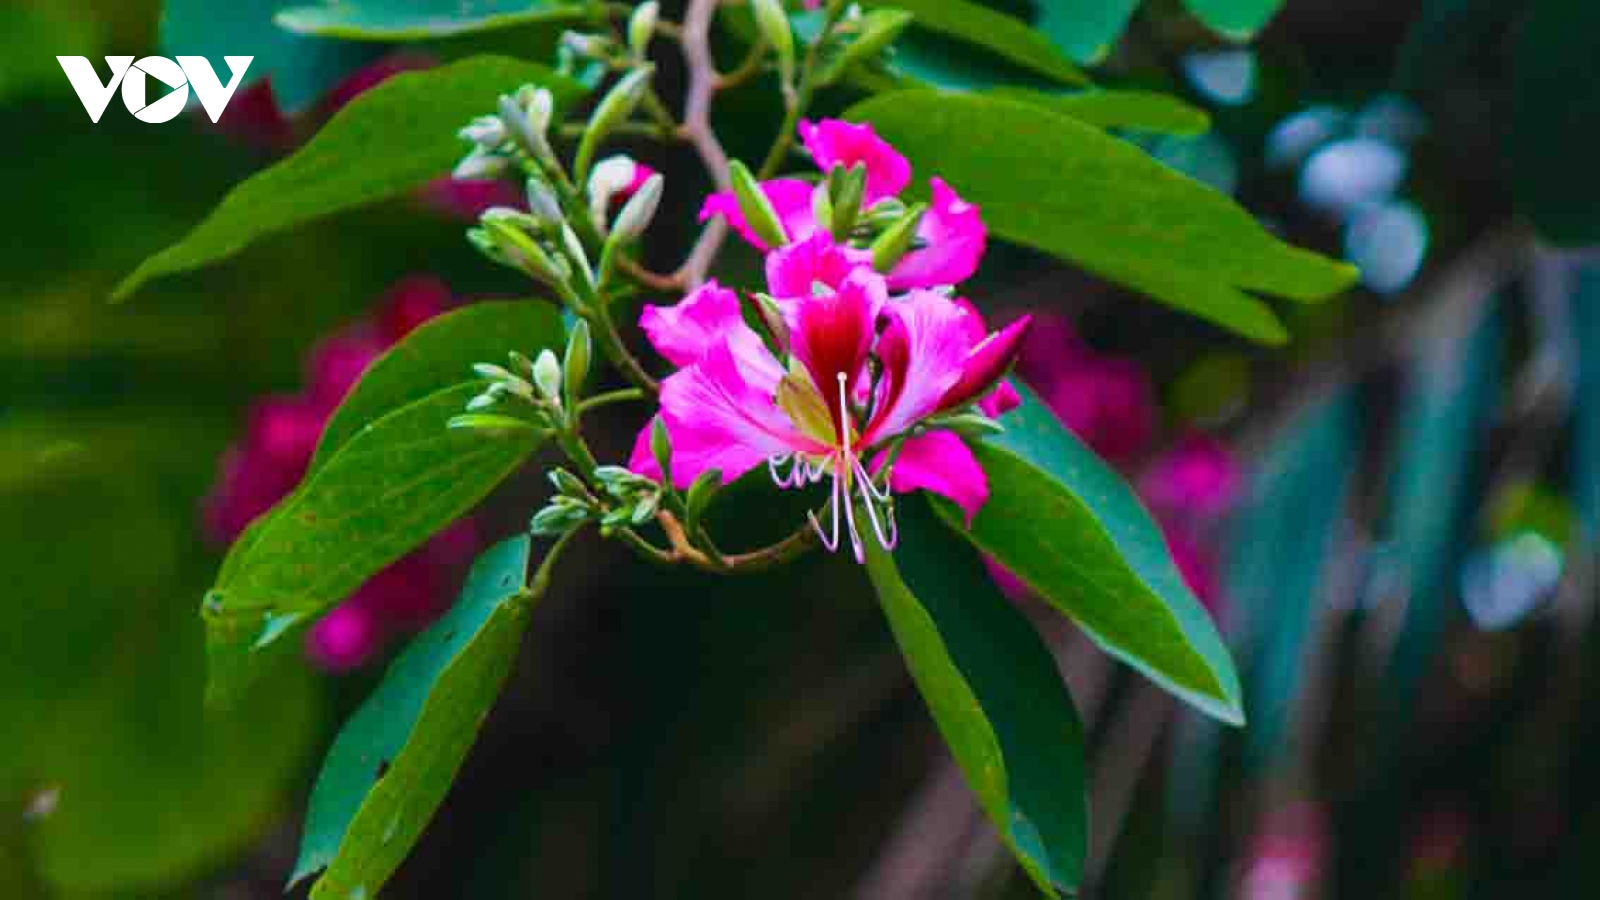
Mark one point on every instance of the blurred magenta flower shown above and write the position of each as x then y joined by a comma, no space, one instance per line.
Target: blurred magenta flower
1107,401
1287,856
281,437
1197,479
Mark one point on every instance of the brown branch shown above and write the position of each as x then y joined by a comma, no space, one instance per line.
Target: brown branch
703,81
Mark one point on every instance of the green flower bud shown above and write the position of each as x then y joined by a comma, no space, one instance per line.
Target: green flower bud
614,109
512,245
547,376
566,483
575,365
661,449
699,496
642,27
866,38
897,239
845,190
542,202
640,209
527,118
492,424
779,34
757,209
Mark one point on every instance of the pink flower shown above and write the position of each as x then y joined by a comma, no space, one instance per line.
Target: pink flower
1287,857
834,142
951,236
1197,478
819,411
344,638
1108,402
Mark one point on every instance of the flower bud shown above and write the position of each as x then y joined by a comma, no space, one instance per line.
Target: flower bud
640,209
845,190
755,206
527,117
868,36
775,329
661,449
547,376
821,201
588,46
611,176
896,240
558,519
566,483
506,240
642,27
775,29
575,364
579,258
699,496
488,132
480,164
489,423
614,109
542,202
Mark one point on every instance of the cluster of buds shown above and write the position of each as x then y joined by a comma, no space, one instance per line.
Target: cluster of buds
543,389
859,38
539,243
625,500
885,230
519,128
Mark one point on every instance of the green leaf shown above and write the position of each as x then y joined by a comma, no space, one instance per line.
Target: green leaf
396,136
1005,36
1055,184
394,760
439,352
1072,529
994,691
101,673
421,20
1130,110
388,489
1234,19
1085,29
25,72
302,69
1555,121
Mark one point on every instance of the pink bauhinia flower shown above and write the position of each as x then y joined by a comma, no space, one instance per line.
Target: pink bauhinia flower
856,374
951,238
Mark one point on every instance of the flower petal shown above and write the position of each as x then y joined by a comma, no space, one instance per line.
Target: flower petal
793,270
834,142
684,331
941,462
720,417
923,349
955,239
985,364
790,198
833,331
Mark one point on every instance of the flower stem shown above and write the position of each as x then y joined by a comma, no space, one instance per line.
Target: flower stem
796,105
621,395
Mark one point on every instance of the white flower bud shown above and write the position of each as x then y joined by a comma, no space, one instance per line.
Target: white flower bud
547,375
488,132
480,165
609,177
639,210
642,27
542,202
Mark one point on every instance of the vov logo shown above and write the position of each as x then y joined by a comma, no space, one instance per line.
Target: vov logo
133,77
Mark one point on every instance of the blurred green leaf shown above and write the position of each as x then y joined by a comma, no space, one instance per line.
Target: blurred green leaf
1555,121
388,489
438,353
396,136
302,69
1058,185
1132,110
420,20
1072,529
1085,29
1234,19
24,70
1448,34
394,761
1278,550
994,691
1585,311
137,788
1007,37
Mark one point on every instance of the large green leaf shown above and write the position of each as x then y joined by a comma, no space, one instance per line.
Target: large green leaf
1236,19
1131,110
1072,529
101,670
390,487
393,762
301,68
440,352
421,20
1058,185
1555,120
396,136
994,691
24,29
1085,29
1006,37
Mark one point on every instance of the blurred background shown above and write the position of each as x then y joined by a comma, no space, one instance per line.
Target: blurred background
1392,519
